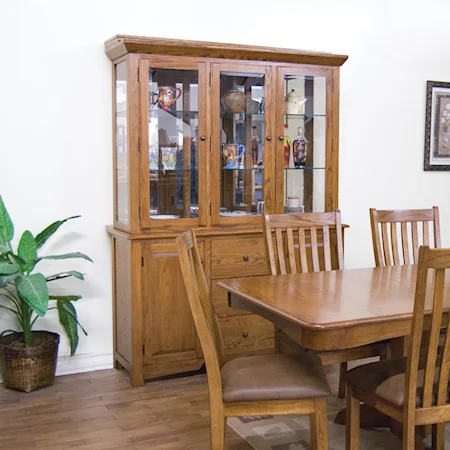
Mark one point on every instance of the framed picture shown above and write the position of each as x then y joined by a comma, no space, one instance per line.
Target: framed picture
437,126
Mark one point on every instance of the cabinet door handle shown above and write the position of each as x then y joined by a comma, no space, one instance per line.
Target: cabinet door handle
280,138
245,258
269,138
203,138
245,334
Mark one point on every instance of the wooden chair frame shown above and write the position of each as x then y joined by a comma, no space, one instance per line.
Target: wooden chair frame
434,407
212,346
386,243
282,252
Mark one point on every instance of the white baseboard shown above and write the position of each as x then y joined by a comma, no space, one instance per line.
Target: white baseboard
67,365
84,363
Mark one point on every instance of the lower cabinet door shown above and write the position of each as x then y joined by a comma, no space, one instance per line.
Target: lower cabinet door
170,339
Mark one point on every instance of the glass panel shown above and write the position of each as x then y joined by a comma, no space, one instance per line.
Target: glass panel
121,143
242,146
173,137
304,143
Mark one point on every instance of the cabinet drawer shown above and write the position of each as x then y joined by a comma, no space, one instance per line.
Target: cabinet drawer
238,258
246,333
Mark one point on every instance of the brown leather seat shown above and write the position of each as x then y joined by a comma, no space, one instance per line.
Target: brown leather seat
386,379
274,377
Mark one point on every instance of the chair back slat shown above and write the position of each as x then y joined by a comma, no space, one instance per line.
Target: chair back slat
326,247
303,238
387,253
302,245
203,312
426,234
433,339
429,295
405,243
314,249
415,241
388,249
280,247
291,250
394,242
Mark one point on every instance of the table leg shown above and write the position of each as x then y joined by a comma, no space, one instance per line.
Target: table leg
370,417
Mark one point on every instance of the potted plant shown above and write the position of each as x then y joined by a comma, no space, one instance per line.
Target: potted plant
28,358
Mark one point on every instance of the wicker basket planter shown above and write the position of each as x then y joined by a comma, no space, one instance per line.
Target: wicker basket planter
27,368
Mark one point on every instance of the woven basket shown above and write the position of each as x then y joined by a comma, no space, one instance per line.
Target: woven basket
27,368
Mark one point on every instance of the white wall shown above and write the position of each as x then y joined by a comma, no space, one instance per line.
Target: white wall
55,115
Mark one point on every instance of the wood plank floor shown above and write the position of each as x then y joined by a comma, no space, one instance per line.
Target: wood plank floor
99,410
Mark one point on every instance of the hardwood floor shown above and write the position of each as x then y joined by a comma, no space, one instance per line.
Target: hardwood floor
99,410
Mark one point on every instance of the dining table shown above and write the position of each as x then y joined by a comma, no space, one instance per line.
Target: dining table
337,310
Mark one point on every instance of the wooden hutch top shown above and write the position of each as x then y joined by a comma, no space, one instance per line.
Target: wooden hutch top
120,45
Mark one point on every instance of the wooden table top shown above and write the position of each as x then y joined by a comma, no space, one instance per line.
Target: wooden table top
336,309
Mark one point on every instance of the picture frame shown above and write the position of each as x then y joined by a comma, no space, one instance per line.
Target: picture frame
437,126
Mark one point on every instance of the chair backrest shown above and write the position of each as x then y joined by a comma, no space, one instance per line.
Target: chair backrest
409,228
298,234
430,295
205,318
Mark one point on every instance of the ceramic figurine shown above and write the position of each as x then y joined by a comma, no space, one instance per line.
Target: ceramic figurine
294,103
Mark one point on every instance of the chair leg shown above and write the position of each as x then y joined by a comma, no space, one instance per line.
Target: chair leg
218,426
438,439
409,435
352,422
319,426
342,379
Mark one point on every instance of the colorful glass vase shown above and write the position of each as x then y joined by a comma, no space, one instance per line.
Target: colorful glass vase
300,148
287,147
255,148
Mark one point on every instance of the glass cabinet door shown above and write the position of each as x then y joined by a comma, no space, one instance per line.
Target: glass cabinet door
170,143
240,131
304,127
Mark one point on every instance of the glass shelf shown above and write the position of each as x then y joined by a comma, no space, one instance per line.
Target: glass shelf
172,111
229,169
304,168
254,115
162,170
303,116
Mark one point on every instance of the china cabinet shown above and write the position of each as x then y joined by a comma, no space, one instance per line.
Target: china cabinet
201,132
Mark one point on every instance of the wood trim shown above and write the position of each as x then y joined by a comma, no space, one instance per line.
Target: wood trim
133,118
332,155
121,44
137,363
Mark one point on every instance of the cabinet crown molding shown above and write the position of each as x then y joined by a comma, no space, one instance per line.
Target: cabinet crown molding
120,45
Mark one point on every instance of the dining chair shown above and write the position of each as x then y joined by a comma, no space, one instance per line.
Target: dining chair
253,385
413,390
398,233
301,243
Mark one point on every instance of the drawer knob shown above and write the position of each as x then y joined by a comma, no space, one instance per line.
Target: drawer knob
245,334
245,258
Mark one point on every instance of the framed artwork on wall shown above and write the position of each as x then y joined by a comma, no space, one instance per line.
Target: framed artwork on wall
437,126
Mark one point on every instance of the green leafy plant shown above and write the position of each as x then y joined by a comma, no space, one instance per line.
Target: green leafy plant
27,292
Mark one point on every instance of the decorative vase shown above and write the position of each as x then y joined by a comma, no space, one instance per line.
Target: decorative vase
255,147
287,147
300,148
167,96
29,367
